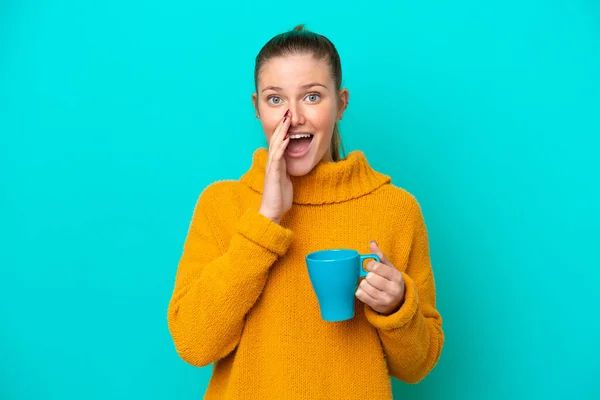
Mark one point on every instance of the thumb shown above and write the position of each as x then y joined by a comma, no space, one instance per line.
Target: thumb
376,250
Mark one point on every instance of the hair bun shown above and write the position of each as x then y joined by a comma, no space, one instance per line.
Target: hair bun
299,27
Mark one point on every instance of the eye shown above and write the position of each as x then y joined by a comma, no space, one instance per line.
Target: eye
274,100
313,97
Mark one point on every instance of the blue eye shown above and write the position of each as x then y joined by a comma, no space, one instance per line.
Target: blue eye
275,100
313,97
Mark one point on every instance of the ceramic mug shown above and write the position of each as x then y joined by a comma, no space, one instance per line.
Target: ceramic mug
334,276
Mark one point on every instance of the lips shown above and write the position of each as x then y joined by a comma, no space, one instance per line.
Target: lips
299,145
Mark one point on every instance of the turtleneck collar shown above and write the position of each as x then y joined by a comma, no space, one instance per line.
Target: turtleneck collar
328,182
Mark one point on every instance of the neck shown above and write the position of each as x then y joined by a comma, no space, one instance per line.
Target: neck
328,182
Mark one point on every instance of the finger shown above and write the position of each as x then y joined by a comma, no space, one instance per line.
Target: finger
365,298
383,270
278,138
280,129
379,282
282,141
376,250
281,150
371,290
388,288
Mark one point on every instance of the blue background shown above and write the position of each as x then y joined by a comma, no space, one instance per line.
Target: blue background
115,115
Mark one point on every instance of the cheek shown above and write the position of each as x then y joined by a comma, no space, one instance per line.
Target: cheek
269,124
323,119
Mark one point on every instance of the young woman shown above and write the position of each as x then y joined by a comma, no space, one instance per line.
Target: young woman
243,298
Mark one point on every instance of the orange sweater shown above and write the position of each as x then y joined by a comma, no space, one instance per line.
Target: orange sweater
243,299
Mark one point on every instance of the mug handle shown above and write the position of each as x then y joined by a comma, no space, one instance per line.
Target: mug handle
364,257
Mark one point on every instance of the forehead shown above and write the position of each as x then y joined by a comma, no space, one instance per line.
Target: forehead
294,70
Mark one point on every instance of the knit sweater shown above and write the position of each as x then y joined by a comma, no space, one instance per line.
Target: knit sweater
243,300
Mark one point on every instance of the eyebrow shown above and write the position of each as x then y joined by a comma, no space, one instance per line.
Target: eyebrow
307,86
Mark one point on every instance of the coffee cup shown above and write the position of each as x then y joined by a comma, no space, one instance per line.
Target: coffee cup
334,275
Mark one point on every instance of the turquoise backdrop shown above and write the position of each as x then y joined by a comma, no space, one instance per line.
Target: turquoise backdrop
114,116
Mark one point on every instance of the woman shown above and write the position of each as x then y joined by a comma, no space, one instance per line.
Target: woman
243,299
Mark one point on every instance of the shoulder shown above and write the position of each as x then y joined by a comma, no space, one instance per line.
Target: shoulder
398,195
221,203
391,192
219,193
400,203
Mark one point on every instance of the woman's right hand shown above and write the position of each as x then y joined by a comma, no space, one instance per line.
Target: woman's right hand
277,191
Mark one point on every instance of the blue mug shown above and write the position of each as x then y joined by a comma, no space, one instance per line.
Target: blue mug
334,276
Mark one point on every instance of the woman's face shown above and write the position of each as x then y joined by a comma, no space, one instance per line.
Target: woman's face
303,85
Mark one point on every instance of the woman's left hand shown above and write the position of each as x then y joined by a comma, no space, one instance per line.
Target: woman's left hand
383,288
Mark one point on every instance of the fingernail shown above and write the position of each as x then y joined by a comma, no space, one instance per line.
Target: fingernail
372,241
287,114
286,136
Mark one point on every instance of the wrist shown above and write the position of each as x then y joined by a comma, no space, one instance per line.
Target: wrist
267,215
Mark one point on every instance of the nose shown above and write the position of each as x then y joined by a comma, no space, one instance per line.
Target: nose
297,114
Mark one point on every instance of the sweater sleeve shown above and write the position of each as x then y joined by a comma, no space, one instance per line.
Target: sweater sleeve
214,290
412,337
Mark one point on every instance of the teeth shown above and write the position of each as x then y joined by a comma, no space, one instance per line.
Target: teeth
304,135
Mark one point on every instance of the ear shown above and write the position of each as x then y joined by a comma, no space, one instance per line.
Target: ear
255,102
343,102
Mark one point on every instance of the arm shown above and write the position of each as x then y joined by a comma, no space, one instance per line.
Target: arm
412,337
214,290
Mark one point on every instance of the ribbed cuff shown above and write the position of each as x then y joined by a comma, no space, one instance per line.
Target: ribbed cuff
401,317
264,232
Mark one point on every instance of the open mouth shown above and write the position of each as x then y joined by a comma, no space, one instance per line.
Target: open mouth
299,145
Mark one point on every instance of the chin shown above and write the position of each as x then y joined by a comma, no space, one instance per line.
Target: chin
302,166
299,167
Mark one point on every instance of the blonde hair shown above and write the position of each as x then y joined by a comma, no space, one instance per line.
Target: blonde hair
336,147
